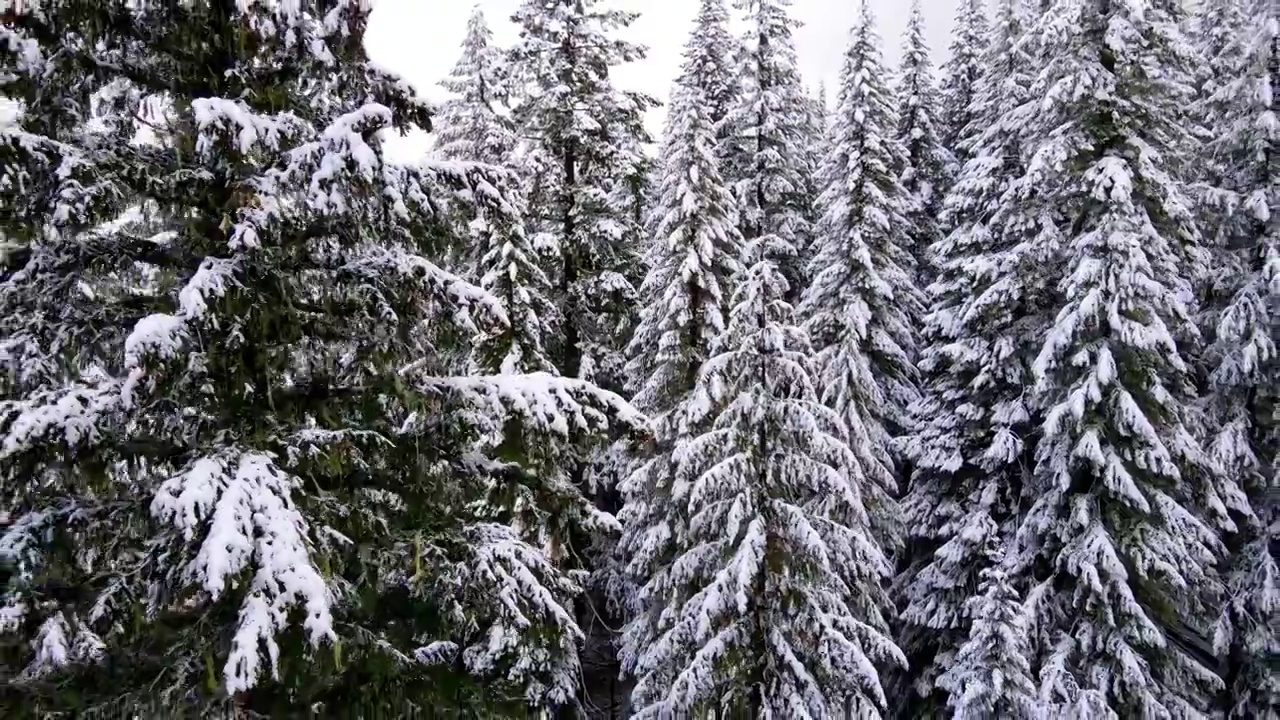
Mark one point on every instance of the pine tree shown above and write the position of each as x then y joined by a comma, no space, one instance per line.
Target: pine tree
1217,26
776,601
988,312
859,307
257,481
582,134
960,77
991,677
1246,371
1119,555
924,172
583,139
711,60
766,157
695,253
468,126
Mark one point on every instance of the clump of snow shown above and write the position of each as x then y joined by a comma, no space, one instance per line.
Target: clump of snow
245,503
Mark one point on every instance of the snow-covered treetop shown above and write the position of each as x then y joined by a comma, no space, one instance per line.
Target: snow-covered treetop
769,143
710,60
961,74
468,126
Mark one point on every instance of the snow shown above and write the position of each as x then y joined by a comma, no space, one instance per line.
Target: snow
252,521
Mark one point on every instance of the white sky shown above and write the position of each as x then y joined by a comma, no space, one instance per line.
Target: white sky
421,40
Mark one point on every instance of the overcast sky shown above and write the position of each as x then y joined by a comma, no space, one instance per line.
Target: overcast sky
421,40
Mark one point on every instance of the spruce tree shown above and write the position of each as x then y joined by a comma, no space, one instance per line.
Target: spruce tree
988,311
583,141
858,310
711,60
256,478
694,256
776,603
468,126
1119,557
1246,369
767,144
1219,33
960,77
924,169
991,677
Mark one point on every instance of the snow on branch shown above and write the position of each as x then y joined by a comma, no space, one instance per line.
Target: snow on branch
555,404
161,335
72,415
242,503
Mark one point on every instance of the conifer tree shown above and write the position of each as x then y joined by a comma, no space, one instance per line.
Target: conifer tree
1219,26
988,311
257,479
582,136
1246,369
766,157
694,256
583,139
991,677
1114,542
776,603
924,172
859,307
960,77
712,61
468,126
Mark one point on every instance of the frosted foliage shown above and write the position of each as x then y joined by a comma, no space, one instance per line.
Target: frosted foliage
1119,476
469,125
694,255
771,477
925,162
243,507
710,63
986,312
991,676
1245,373
765,157
960,78
509,268
523,591
247,376
60,641
859,306
571,110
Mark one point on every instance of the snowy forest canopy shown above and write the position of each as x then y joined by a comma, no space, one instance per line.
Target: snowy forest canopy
953,396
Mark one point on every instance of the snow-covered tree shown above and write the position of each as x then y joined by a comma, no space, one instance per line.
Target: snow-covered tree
766,154
991,677
507,267
859,307
693,258
776,601
1218,27
1114,541
582,135
960,77
583,140
468,125
1245,380
711,61
925,163
988,312
249,474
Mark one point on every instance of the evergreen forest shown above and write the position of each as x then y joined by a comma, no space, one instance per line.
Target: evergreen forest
949,392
